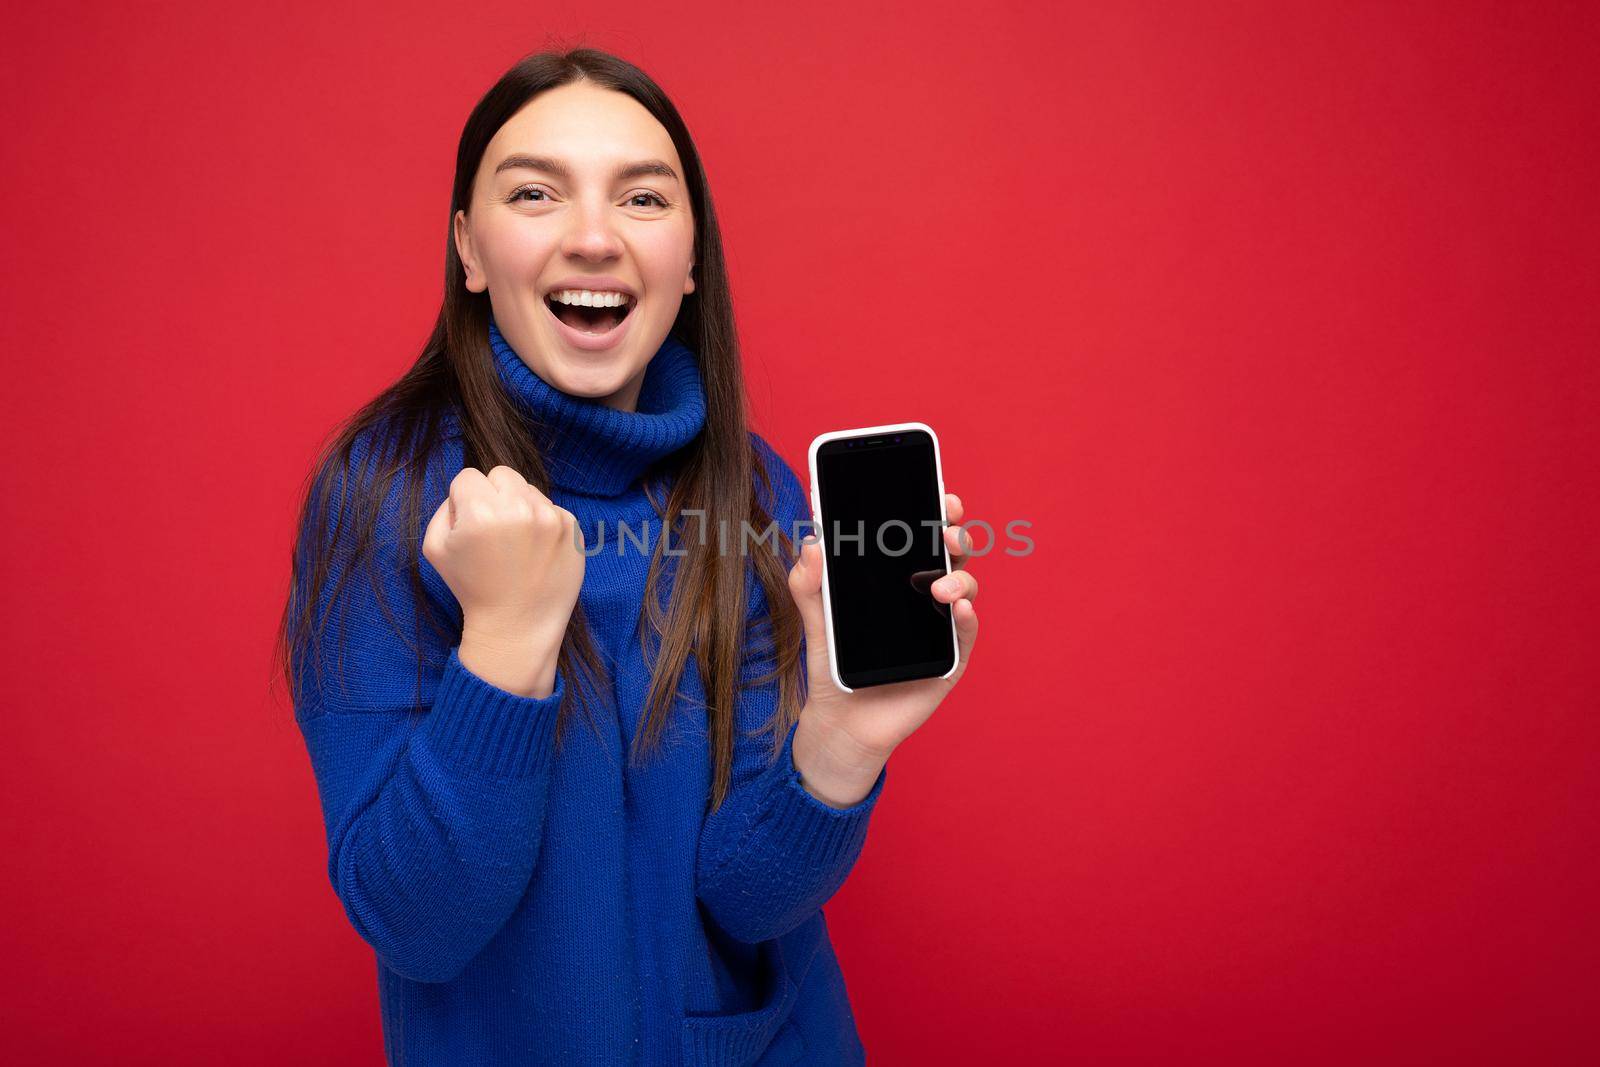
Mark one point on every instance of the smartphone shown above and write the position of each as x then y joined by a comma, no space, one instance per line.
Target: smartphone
877,503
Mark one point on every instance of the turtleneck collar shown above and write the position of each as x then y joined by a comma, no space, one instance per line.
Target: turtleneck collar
596,450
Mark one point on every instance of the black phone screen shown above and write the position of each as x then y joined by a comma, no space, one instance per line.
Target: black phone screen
883,546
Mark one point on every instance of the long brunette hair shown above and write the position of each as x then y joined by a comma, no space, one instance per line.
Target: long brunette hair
714,474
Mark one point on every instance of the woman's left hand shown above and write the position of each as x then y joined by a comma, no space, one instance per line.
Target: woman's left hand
872,721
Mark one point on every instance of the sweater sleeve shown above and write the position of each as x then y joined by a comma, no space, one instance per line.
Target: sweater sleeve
432,783
773,854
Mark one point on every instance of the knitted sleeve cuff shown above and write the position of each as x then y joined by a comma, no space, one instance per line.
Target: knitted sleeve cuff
795,792
478,728
810,835
777,853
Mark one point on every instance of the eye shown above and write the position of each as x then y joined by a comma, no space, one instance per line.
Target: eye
516,195
660,201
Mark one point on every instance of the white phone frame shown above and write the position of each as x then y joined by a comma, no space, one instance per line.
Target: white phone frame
816,517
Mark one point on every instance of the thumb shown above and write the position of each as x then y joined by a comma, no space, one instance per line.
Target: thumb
434,535
805,585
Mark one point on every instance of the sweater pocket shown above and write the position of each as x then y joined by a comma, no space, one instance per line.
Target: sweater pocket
743,1038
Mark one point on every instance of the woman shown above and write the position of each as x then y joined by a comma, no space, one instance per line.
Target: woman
648,888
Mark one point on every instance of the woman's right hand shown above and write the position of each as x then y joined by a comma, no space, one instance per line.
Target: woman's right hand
514,560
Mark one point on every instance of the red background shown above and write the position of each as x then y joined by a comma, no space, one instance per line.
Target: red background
1279,325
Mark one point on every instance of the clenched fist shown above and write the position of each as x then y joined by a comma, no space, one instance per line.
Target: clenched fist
514,560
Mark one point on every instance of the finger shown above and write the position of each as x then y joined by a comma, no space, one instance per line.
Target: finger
959,542
805,585
956,539
438,526
542,505
966,631
574,530
506,480
957,585
471,494
539,494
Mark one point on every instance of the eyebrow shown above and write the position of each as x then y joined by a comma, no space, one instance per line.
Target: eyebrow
625,172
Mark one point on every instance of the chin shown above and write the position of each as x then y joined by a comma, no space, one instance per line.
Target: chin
592,383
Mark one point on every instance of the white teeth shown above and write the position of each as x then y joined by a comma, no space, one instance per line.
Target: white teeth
589,298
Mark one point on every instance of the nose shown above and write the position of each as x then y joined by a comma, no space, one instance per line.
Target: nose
592,234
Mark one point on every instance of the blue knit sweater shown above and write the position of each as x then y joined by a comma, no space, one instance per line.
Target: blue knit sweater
527,906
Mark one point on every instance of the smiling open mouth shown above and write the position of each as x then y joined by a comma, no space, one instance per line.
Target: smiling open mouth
602,313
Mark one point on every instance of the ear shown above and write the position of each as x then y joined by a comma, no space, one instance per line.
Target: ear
688,281
474,277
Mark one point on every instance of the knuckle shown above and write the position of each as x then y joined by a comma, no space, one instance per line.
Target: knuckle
506,479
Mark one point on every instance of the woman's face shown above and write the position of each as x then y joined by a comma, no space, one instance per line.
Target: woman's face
574,193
